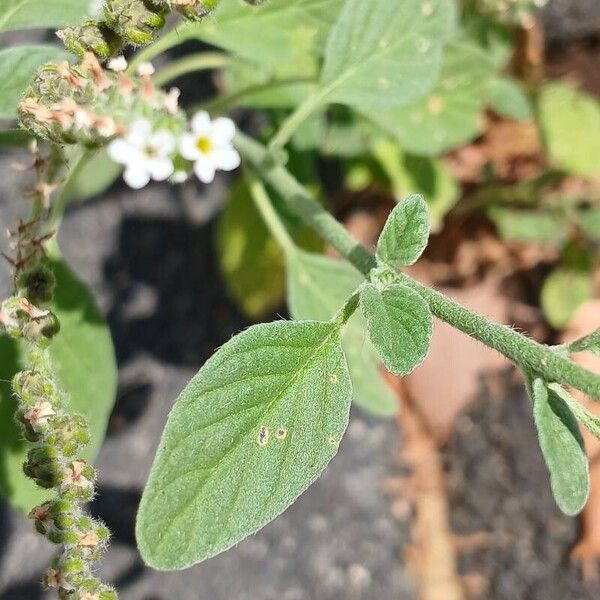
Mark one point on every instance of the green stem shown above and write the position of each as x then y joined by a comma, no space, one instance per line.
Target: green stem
190,64
291,124
523,351
265,208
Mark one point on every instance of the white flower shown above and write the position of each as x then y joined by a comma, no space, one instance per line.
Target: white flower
145,154
209,146
95,8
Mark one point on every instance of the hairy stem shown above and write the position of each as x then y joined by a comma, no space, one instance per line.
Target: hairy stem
521,350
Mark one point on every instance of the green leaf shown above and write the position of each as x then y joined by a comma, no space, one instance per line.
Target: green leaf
18,66
588,219
563,292
529,226
570,123
506,97
400,325
409,174
29,14
317,287
96,174
588,343
83,356
562,447
277,32
451,114
591,421
250,259
13,138
251,431
381,53
405,234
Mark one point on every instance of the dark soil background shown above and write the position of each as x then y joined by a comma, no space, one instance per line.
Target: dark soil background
149,259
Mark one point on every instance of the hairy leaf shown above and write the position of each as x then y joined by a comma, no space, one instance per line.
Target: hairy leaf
529,226
563,292
570,123
14,138
251,431
250,259
409,174
451,114
83,356
18,66
562,447
96,174
317,287
507,98
405,234
589,343
381,53
26,14
591,421
400,325
279,31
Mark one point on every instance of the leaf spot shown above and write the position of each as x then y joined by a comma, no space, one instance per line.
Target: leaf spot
333,378
427,9
332,440
435,105
281,433
263,435
383,83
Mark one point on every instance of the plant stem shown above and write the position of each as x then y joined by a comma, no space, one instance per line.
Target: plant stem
265,208
291,124
190,64
521,350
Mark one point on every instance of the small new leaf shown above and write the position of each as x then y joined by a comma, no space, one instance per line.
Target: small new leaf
399,324
589,343
591,421
562,447
317,286
251,431
405,234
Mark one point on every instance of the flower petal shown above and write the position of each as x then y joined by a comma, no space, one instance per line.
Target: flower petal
119,150
205,170
225,158
200,123
163,141
136,177
187,146
139,132
223,131
160,168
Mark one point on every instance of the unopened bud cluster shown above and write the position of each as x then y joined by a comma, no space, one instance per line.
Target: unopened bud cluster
128,22
88,105
57,441
510,12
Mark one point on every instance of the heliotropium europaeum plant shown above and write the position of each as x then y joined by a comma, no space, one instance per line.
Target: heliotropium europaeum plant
265,415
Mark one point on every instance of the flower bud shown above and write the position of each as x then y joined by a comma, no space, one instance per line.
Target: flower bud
134,21
37,284
90,37
42,329
195,10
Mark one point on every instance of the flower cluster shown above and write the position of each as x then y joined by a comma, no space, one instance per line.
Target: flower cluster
115,24
149,153
53,461
89,105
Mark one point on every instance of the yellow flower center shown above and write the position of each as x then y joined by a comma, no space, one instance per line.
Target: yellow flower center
204,144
